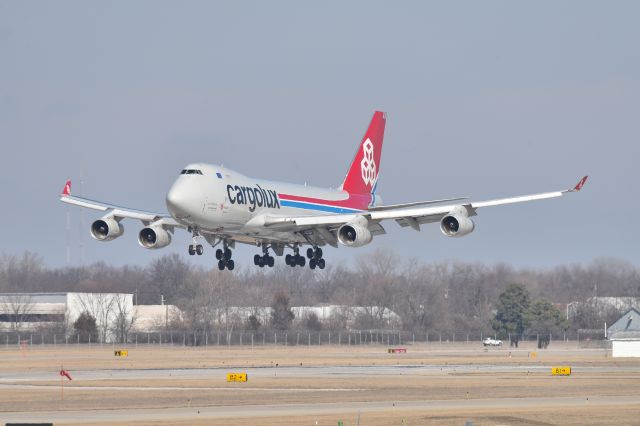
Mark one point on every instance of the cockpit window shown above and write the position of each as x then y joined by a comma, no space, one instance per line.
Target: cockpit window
191,172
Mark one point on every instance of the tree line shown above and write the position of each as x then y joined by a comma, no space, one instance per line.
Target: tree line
447,297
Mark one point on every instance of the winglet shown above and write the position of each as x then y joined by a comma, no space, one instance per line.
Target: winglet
66,191
580,184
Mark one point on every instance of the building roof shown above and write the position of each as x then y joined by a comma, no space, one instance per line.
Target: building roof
33,297
630,321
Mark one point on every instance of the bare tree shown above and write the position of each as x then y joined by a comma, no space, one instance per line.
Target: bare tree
438,297
22,273
100,306
19,306
124,318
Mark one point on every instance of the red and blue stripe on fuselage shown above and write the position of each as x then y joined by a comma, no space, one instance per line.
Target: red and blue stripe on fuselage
356,203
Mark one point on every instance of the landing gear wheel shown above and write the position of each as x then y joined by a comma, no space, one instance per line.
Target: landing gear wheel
312,263
310,253
301,260
199,249
192,250
230,264
320,263
227,254
287,259
318,253
219,254
221,265
266,259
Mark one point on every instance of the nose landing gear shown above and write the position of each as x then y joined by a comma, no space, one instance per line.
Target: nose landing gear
195,248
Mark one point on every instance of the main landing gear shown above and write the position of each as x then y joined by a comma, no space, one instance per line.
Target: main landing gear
315,258
195,248
296,259
224,258
265,259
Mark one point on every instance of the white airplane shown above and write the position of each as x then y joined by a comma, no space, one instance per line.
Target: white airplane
224,207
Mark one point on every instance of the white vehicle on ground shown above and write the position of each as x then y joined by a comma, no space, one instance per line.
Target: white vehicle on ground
492,342
223,207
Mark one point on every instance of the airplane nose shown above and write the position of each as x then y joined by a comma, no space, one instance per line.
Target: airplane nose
177,199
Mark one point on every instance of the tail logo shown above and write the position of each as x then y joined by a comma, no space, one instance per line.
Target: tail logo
368,163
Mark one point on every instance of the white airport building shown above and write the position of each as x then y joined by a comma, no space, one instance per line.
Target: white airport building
56,313
624,335
25,312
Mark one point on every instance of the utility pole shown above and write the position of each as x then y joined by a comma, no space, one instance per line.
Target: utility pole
166,312
68,237
81,242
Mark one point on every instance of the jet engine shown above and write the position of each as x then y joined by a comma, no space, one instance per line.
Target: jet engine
355,233
106,229
457,223
154,237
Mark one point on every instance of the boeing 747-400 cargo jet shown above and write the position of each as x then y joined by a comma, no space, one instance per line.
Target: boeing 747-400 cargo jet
225,207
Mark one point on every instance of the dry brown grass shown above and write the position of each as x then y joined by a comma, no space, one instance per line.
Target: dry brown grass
474,382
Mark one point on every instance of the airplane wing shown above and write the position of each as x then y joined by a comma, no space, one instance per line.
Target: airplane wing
405,216
414,217
414,204
118,212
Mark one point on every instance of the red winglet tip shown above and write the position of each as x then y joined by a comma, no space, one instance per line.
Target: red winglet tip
580,184
67,189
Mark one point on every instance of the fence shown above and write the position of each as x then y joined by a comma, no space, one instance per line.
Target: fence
270,337
593,338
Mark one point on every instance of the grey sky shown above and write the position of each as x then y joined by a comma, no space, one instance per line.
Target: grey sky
485,99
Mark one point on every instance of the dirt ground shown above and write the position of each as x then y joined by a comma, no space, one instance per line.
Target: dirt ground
323,385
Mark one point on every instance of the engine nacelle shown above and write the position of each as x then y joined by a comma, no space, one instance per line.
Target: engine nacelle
457,223
154,237
355,233
106,229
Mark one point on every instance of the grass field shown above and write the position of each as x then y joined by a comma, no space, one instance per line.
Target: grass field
430,384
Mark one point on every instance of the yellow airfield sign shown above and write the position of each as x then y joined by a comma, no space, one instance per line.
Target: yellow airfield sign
561,371
236,377
121,353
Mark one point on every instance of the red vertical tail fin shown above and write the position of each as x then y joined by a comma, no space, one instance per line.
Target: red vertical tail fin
363,172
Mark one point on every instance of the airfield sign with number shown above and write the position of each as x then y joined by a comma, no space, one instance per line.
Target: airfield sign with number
561,371
236,377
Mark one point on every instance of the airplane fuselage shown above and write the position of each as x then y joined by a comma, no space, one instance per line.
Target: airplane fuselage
216,199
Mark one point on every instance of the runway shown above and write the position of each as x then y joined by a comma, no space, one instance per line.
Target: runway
300,372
